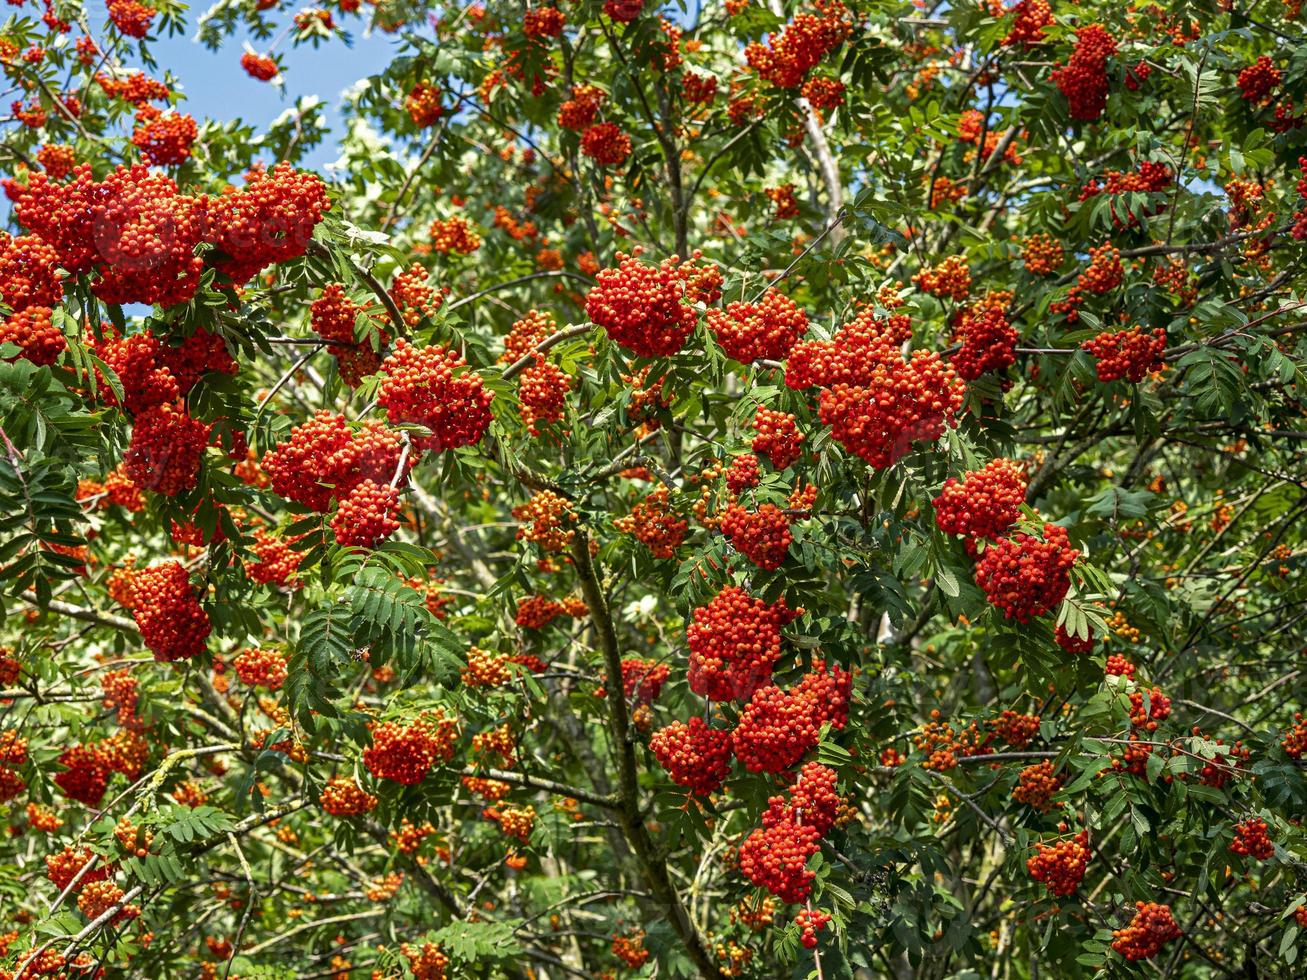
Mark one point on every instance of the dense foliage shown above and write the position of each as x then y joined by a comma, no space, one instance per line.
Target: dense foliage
760,490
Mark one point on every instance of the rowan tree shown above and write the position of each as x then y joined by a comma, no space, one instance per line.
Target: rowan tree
767,489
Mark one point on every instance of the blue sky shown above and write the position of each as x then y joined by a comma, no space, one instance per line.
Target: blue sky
217,88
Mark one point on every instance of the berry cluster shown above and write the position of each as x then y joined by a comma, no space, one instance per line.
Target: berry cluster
766,330
421,386
642,307
1025,576
545,521
131,18
165,449
1104,272
1151,928
735,641
275,561
951,279
1083,80
1061,866
268,220
173,625
788,57
655,525
427,962
1251,839
984,503
423,104
1036,785
27,273
404,754
1073,644
778,437
630,948
260,67
1148,708
743,473
366,515
605,144
762,536
876,403
989,342
261,667
775,855
1130,354
543,22
324,459
164,139
1258,79
98,897
777,728
332,317
454,235
810,922
643,680
695,755
542,394
35,334
578,112
1042,255
1029,18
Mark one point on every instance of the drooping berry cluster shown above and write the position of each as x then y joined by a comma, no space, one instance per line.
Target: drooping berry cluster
405,753
173,625
694,754
762,536
766,330
606,144
988,342
275,561
1042,255
165,449
778,438
643,680
343,797
366,515
629,948
260,67
33,330
951,279
985,503
1026,576
27,273
1083,80
811,922
261,667
775,856
777,727
655,525
1130,354
1258,80
547,521
743,473
735,641
578,112
1061,866
428,386
642,307
542,394
877,404
268,220
131,18
1151,928
324,459
1029,18
787,58
423,104
1036,785
1252,840
164,139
